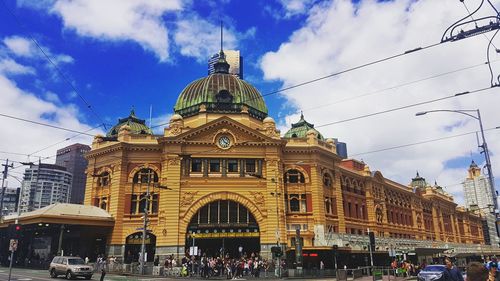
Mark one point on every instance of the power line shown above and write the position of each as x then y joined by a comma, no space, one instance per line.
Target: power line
407,106
334,74
419,142
66,139
46,125
399,85
58,70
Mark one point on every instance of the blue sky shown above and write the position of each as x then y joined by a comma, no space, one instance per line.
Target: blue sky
121,53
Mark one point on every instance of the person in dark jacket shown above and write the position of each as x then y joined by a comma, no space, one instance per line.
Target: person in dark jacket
452,273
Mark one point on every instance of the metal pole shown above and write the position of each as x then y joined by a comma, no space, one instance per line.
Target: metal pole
145,225
10,264
5,172
59,245
278,263
194,254
488,163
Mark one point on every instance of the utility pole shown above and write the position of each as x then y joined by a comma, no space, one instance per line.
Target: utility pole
5,173
145,226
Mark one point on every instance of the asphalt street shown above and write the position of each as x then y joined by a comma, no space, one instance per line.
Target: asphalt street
22,274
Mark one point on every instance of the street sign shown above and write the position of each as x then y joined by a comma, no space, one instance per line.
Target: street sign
193,251
13,245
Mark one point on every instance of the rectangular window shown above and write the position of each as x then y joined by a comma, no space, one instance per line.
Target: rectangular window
250,166
196,165
214,165
142,203
232,166
133,205
154,204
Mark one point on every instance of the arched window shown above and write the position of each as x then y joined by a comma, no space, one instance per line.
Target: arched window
145,175
294,176
327,180
294,205
104,179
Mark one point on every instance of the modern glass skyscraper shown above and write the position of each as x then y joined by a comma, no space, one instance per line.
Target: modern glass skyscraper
43,185
234,59
72,158
478,197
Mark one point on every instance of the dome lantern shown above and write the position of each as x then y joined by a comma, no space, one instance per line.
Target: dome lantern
134,124
301,129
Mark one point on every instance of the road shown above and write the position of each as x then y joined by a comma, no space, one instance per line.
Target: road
22,274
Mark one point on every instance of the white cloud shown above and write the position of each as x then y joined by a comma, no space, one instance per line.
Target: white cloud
159,123
296,7
52,97
25,48
339,34
19,136
20,46
200,39
120,20
9,66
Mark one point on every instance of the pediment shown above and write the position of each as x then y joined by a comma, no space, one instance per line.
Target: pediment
207,133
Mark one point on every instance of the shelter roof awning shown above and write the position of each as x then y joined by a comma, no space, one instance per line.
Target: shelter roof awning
429,251
64,213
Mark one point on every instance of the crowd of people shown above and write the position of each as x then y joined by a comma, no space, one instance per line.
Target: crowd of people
474,271
231,268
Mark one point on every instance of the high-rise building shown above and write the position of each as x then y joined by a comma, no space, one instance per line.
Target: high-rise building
478,197
43,185
234,59
72,158
10,201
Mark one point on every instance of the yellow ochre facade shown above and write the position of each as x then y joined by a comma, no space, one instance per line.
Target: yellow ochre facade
222,173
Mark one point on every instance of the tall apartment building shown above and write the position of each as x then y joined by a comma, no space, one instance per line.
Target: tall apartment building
10,201
478,196
233,58
72,158
43,185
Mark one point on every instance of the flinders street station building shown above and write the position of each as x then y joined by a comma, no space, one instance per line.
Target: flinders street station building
222,179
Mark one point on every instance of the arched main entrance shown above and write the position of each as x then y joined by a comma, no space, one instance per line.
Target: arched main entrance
133,245
223,227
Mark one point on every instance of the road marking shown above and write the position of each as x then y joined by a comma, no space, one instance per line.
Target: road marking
24,279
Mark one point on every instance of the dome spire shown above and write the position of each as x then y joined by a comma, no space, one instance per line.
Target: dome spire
221,66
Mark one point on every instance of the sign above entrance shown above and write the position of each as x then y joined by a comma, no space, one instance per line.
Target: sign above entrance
224,235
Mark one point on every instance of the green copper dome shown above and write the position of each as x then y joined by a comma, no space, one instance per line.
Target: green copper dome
221,92
137,126
300,129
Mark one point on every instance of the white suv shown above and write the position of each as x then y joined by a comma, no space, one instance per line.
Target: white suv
70,267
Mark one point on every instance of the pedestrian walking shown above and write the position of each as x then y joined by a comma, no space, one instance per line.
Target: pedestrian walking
103,273
452,273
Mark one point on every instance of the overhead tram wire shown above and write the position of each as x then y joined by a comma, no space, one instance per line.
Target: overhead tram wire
399,85
66,139
407,106
46,125
419,142
334,74
470,15
58,70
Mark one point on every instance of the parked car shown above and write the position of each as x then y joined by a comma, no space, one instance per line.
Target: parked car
432,273
70,267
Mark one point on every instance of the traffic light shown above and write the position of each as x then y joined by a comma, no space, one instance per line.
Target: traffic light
372,240
276,251
14,231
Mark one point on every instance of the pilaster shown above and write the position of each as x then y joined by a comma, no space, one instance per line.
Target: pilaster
340,201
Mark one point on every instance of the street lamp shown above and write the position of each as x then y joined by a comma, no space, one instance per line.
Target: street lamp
484,146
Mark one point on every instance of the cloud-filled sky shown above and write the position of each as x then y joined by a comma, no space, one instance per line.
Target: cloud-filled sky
120,54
